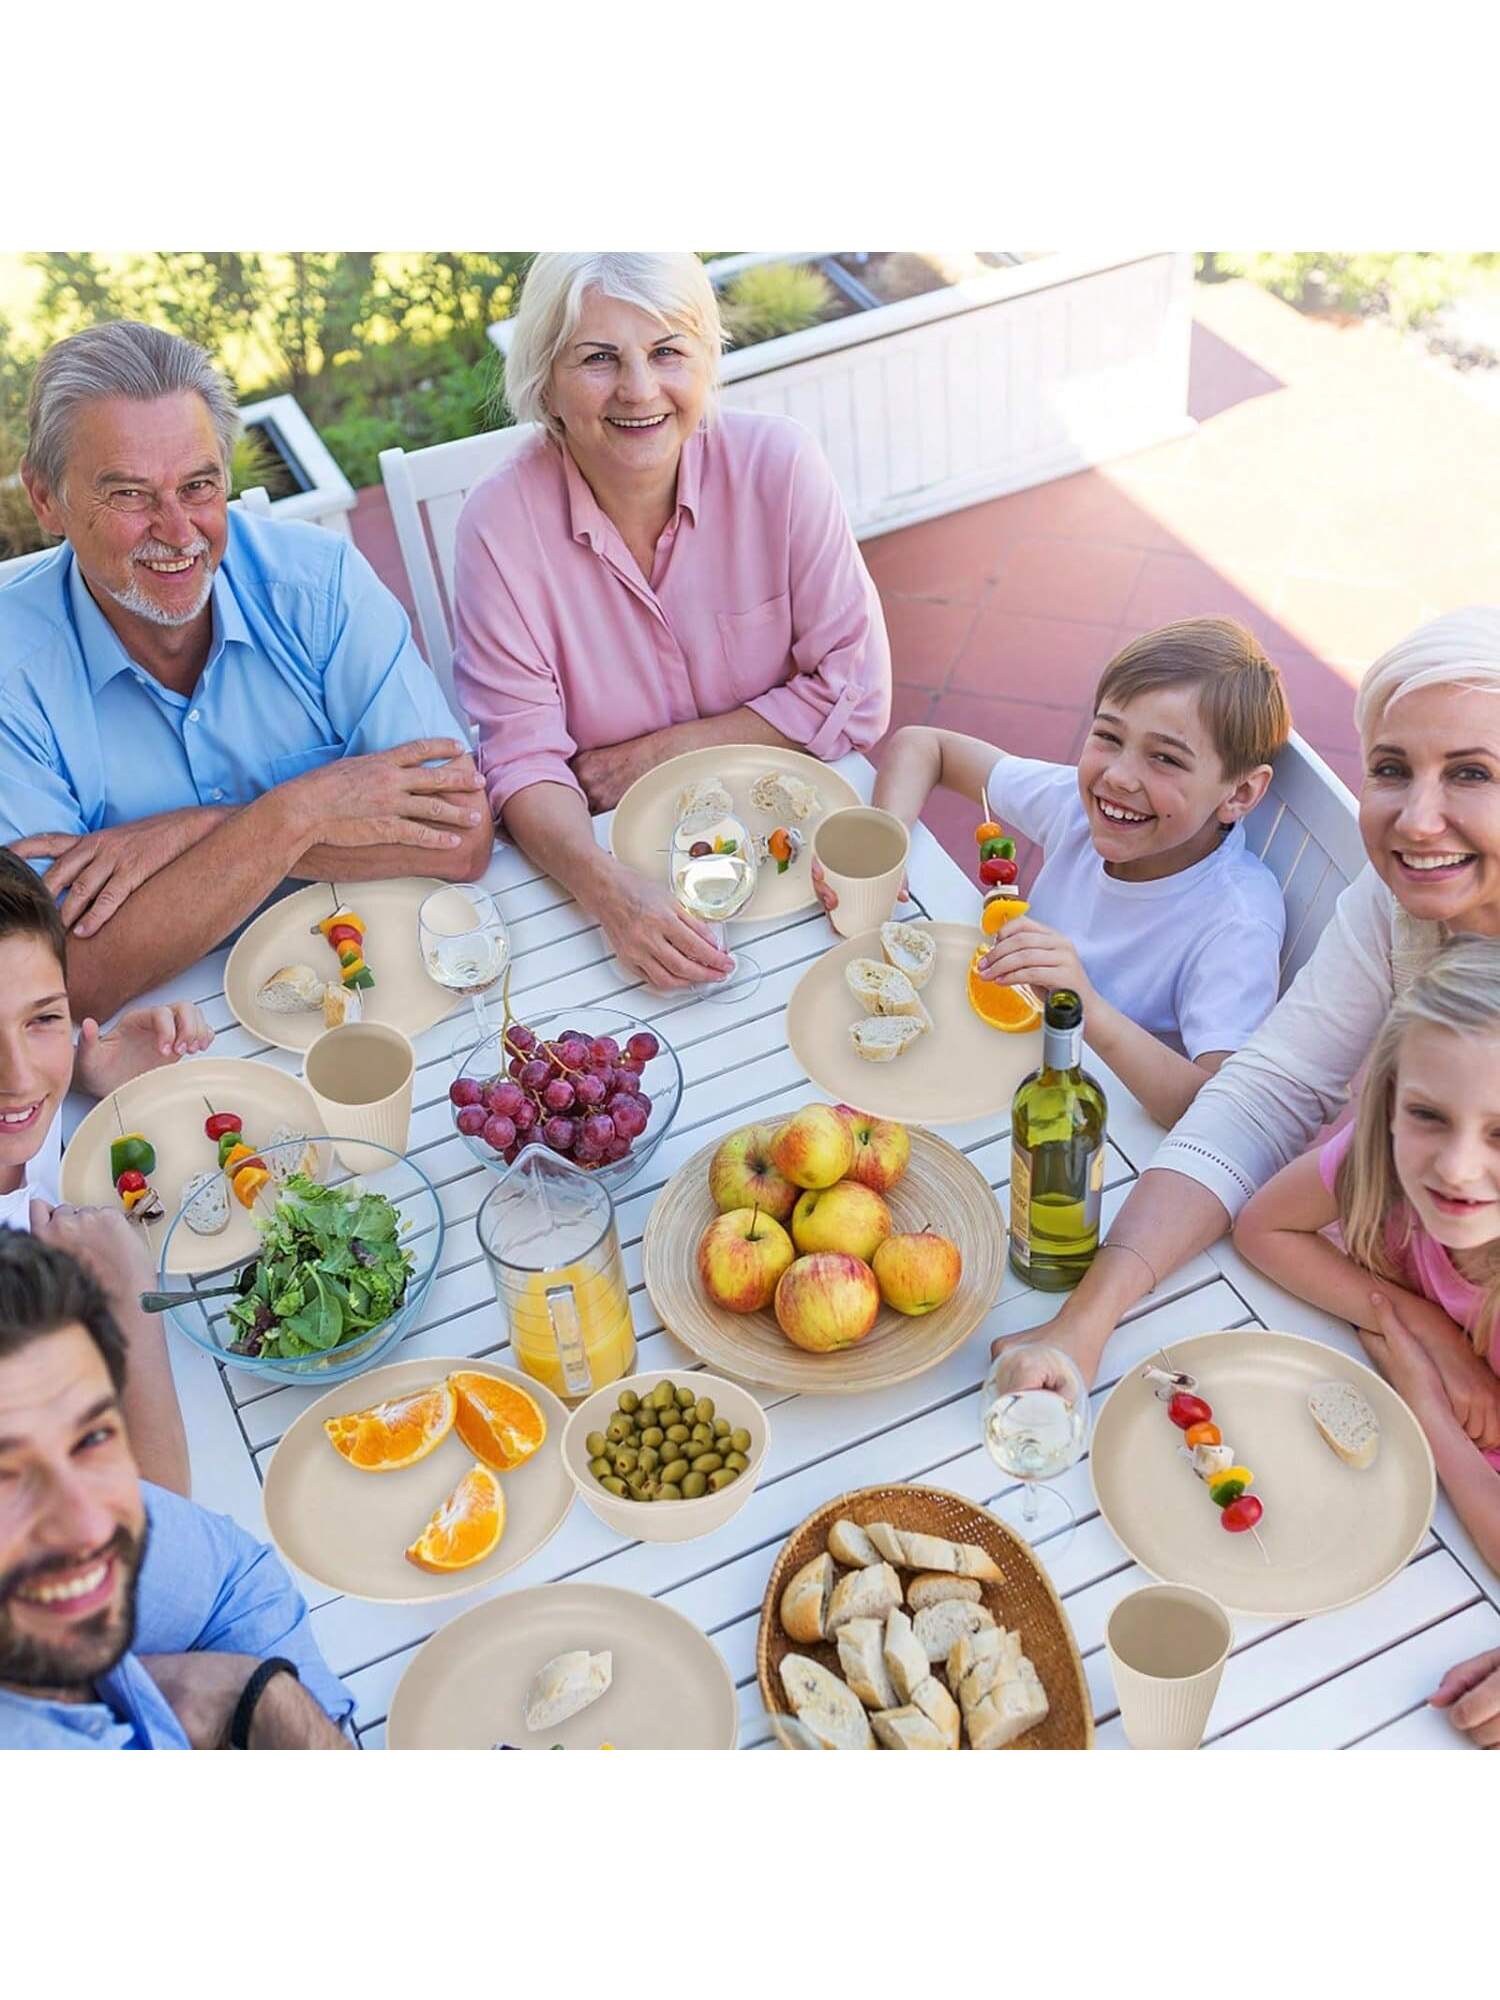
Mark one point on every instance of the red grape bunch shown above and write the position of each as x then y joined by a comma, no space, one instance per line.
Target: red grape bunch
579,1094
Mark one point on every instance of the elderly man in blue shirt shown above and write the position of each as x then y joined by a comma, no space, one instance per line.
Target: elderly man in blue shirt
198,704
130,1619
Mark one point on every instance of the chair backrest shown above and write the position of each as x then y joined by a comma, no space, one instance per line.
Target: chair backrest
426,490
1306,830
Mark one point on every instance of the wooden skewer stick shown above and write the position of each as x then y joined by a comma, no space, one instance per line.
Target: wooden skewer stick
984,800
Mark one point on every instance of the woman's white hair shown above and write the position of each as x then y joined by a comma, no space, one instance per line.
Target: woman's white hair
672,285
1461,648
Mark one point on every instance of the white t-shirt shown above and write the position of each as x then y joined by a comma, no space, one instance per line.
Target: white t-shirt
42,1175
1194,958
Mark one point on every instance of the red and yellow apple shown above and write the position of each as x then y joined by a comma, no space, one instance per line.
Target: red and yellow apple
740,1175
882,1149
827,1301
844,1217
813,1148
741,1256
917,1271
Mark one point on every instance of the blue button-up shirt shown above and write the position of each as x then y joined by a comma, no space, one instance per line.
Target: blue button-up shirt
311,658
204,1586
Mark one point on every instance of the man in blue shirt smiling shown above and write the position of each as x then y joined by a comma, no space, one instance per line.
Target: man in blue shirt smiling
196,705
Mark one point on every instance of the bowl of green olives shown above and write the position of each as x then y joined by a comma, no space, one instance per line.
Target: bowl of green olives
666,1458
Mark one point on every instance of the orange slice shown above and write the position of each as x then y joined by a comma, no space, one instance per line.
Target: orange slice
1012,1008
466,1528
498,1422
998,911
394,1434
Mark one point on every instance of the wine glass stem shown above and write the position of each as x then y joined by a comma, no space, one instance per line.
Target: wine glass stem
481,1013
1029,1508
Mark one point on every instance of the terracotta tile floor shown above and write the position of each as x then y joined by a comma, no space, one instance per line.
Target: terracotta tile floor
1339,490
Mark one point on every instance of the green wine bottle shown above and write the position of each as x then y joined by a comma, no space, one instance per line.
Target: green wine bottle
1057,1121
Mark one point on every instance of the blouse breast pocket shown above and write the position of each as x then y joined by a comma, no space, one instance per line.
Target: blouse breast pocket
300,761
757,646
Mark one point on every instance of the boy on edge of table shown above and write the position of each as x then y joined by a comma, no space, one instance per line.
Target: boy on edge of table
1148,903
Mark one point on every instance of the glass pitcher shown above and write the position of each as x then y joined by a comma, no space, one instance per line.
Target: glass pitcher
547,1229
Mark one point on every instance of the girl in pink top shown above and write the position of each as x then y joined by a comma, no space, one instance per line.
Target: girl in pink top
1413,1186
647,578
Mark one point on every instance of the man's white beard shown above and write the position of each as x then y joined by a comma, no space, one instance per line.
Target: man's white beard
135,599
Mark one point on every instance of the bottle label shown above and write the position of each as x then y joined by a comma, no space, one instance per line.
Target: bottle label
1020,1205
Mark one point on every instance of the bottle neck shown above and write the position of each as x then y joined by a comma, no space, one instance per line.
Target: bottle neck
1062,1048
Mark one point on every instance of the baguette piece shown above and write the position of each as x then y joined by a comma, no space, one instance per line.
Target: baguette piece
1009,1711
863,1593
1346,1423
824,1706
291,989
804,1602
882,989
930,1588
979,1661
882,1038
909,1729
905,1660
888,1540
935,1702
704,795
933,1552
911,950
941,1626
862,1662
565,1685
341,1005
785,796
849,1544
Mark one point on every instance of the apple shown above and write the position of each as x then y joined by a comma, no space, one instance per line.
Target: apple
844,1217
881,1149
741,1256
813,1148
827,1301
917,1272
740,1175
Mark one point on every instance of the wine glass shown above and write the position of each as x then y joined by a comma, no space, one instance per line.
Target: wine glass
1034,1417
465,947
711,871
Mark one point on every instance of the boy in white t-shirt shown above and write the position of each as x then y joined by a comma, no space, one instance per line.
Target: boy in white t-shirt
1148,903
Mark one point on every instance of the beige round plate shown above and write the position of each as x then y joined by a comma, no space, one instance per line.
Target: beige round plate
963,1069
641,830
349,1529
168,1106
402,997
466,1688
1332,1534
939,1188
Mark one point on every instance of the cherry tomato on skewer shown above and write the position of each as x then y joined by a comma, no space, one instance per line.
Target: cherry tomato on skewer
1185,1411
1242,1514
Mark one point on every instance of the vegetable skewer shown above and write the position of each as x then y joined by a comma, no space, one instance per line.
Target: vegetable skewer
1203,1445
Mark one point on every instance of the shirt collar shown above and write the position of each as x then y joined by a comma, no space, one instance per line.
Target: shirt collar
104,656
587,520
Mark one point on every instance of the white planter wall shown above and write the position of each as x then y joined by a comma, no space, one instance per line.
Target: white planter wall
330,500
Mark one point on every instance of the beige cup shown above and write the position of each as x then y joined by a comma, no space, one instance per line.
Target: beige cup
862,851
361,1078
1167,1646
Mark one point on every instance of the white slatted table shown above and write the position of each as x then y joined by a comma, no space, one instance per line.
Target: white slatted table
1358,1676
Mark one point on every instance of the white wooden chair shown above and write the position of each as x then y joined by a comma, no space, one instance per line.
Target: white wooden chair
1306,830
426,490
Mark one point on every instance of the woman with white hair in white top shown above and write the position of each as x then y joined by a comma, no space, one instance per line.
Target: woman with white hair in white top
1428,713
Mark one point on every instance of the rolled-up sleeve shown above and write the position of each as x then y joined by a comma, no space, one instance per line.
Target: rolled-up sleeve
839,697
378,689
507,688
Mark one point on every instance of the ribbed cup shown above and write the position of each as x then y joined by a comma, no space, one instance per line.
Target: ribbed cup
1167,1646
361,1080
862,851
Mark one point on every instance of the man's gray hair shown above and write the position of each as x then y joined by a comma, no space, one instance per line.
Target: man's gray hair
123,357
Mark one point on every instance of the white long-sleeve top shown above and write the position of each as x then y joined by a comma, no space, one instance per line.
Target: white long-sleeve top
1292,1077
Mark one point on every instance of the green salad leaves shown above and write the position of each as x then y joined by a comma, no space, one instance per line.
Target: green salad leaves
331,1267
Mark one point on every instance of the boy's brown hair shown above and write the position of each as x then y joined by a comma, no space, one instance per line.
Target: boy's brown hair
1240,696
26,909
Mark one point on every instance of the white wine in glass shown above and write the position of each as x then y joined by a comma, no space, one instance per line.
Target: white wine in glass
465,945
1034,1418
712,874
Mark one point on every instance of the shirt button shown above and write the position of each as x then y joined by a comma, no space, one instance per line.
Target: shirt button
216,793
192,715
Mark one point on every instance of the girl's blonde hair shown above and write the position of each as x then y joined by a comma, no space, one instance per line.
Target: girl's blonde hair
1459,992
1461,647
672,285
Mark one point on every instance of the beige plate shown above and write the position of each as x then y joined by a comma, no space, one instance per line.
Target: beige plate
1023,1600
466,1688
348,1529
168,1106
1332,1534
402,997
641,830
939,1188
963,1069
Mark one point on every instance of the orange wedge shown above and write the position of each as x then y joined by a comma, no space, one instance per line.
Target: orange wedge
498,1422
466,1528
1015,1009
998,911
397,1433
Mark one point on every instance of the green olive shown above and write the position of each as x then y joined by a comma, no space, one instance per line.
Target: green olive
669,1492
695,1486
685,1399
647,1488
703,1433
694,1449
709,1462
610,1448
599,1466
737,1462
740,1440
719,1480
664,1396
653,1435
594,1444
721,1427
615,1486
678,1433
618,1430
630,1402
625,1460
648,1458
675,1473
636,1481
703,1410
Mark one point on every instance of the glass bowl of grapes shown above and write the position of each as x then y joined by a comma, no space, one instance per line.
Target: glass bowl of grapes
596,1085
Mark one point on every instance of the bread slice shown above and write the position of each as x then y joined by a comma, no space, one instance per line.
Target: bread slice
1346,1422
930,1588
911,950
785,796
849,1544
1013,1707
888,1540
862,1662
341,1005
939,1707
909,1729
941,1626
804,1602
704,795
883,1038
565,1685
862,1593
824,1706
952,1558
979,1661
905,1659
881,989
292,989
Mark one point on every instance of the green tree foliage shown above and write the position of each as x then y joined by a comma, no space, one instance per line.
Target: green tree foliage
1404,286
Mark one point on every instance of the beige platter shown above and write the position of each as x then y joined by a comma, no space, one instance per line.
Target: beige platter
963,1069
641,830
348,1529
169,1106
1332,1534
940,1188
403,995
466,1688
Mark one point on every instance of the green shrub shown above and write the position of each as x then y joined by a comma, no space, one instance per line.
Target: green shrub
772,299
1405,287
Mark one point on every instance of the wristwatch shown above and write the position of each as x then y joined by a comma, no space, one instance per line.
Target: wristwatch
254,1688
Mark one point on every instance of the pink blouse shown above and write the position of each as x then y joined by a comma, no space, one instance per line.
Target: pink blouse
758,597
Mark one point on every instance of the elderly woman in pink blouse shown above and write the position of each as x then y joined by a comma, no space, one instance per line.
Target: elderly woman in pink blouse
649,576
